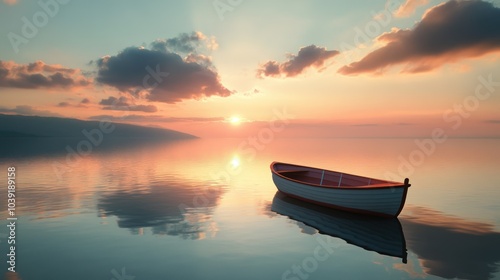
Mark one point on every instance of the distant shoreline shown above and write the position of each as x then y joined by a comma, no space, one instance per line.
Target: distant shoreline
36,127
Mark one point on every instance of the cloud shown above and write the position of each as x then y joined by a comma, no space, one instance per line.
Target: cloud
122,101
184,43
446,33
134,108
409,7
252,92
124,104
156,118
310,56
29,111
82,104
85,101
40,75
64,104
161,75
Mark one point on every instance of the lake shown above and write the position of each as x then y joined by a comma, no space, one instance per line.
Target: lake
208,209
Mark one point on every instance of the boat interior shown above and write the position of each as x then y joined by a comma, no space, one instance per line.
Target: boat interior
328,178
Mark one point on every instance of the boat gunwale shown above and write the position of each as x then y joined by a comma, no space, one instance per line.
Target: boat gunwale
389,184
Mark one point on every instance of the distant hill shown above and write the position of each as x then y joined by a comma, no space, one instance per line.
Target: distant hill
8,133
33,126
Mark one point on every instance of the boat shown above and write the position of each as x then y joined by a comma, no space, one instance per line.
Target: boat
339,190
382,235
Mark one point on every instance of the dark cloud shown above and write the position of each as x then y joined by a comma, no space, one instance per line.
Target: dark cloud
82,104
124,104
40,75
134,108
160,75
28,111
270,68
446,33
310,56
113,101
85,101
64,104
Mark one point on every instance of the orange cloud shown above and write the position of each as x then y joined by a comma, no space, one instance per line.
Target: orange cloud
409,7
40,75
447,33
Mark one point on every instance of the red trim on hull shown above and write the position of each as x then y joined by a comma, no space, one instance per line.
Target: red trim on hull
389,184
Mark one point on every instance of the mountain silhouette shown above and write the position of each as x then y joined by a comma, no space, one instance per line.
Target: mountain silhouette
28,136
34,126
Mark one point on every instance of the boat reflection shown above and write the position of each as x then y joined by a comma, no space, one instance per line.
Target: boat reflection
382,235
452,247
169,208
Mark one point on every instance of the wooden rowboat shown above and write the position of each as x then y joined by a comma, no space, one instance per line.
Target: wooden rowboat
340,190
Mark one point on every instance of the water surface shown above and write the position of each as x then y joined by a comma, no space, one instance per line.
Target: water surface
208,209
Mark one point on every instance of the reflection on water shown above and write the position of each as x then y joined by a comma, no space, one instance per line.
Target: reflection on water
446,246
383,236
126,168
452,247
141,205
170,208
25,147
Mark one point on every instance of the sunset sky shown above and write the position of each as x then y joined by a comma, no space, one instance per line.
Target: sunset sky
396,68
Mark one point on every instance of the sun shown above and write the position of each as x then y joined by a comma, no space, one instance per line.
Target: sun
235,162
235,120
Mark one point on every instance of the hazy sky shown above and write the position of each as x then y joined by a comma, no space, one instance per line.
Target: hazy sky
233,67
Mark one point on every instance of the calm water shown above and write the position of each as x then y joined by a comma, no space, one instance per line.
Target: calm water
208,209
